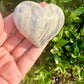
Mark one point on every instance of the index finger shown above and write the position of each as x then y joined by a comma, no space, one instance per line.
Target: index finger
9,26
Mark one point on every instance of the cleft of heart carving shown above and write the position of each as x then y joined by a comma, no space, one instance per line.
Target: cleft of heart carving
39,24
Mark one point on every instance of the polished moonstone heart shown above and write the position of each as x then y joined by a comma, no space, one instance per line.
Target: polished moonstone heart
39,24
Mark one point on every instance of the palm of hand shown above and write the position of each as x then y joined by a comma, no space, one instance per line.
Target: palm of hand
17,54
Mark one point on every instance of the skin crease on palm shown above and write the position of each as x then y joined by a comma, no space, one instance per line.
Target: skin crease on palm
17,54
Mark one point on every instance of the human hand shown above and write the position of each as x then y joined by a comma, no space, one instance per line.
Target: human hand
17,54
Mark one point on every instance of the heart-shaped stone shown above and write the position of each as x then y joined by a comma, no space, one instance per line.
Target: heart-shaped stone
39,24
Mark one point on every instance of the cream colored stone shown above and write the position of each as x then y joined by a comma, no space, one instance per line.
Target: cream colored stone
39,24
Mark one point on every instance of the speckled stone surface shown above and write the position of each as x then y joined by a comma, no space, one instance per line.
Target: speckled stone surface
39,24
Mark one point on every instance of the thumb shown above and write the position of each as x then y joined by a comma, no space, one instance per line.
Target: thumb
1,24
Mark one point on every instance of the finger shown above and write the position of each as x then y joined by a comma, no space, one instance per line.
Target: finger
8,68
1,25
24,46
3,37
43,3
9,26
3,81
29,58
4,57
13,41
11,73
